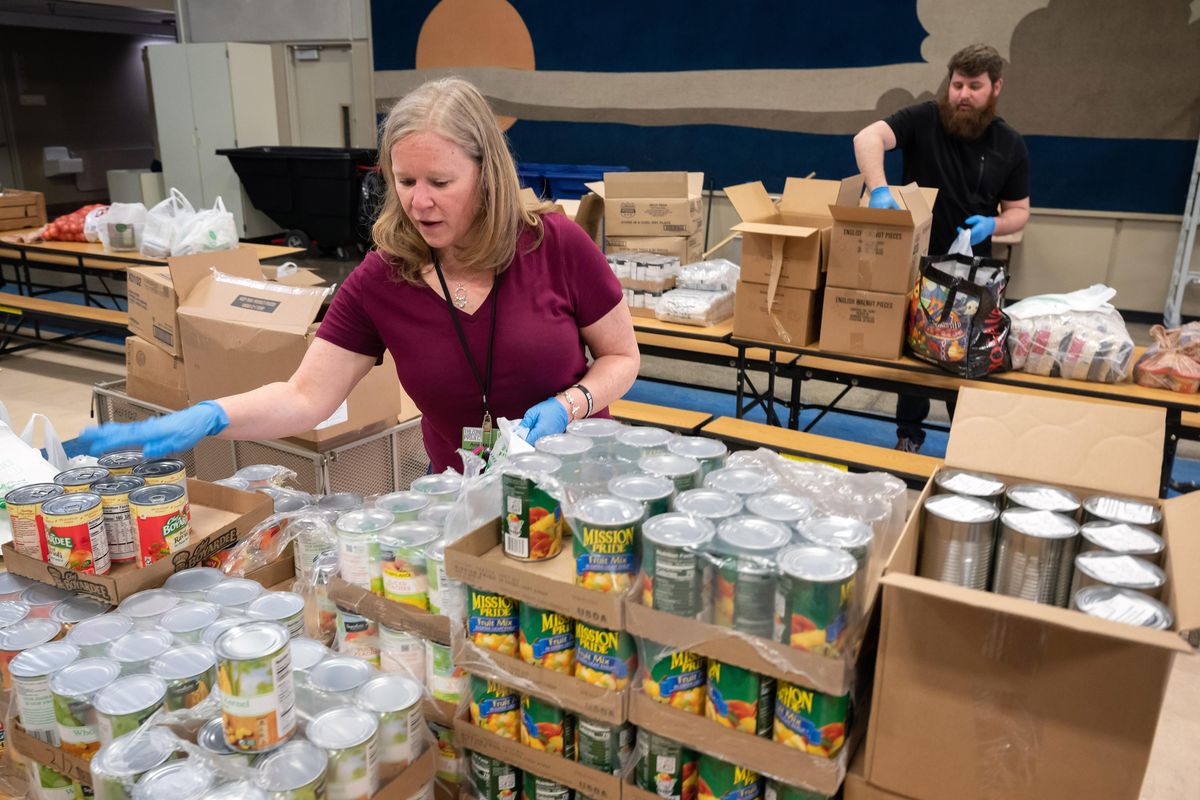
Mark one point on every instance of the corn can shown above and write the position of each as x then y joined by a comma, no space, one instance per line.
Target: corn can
603,745
547,727
162,471
351,738
604,657
449,756
547,639
396,701
189,672
125,704
160,521
117,767
211,739
357,636
79,479
674,571
815,594
740,699
533,524
810,721
492,621
447,680
134,651
358,547
535,787
294,771
665,767
673,677
605,531
72,689
120,462
254,671
402,562
493,779
31,671
495,708
744,594
24,506
118,522
75,537
721,780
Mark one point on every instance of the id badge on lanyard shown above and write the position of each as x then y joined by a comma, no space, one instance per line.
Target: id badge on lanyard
480,440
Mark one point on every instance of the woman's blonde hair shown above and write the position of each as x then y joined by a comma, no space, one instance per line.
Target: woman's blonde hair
454,108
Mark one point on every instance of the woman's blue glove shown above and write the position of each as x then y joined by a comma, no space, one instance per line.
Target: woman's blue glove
981,228
881,197
547,417
158,436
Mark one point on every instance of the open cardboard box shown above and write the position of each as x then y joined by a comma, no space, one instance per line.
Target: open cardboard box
879,249
59,760
688,249
399,616
1030,700
402,784
651,203
220,517
478,560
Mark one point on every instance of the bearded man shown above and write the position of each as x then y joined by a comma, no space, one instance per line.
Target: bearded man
975,160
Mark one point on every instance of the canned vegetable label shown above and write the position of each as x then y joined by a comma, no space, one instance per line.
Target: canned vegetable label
495,708
160,521
720,780
602,745
533,519
812,606
740,699
493,779
810,721
25,513
603,541
357,636
46,784
77,729
447,681
353,772
254,671
666,768
538,788
404,575
547,639
603,657
675,677
546,727
118,521
111,726
75,537
449,757
492,622
401,651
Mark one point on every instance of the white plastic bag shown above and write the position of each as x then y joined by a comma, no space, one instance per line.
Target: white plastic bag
55,454
120,229
92,222
1077,335
962,243
163,222
208,230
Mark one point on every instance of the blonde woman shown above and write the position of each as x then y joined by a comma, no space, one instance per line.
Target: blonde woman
488,308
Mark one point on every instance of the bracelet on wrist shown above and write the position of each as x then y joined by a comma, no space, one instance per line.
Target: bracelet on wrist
572,406
586,396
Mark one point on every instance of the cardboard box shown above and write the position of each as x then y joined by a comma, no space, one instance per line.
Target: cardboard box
863,323
399,616
791,321
478,560
658,285
651,203
688,249
1030,700
154,375
404,783
857,787
878,248
220,517
642,311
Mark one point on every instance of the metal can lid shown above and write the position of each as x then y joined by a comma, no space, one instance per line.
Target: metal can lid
595,428
780,506
751,536
642,488
1123,605
307,653
45,659
961,508
276,605
441,483
389,693
1121,537
148,603
130,694
286,501
291,766
340,501
817,564
100,630
535,462
676,529
196,579
11,583
1043,498
251,640
156,494
1041,524
339,674
739,480
42,594
74,503
188,617
234,592
120,458
257,472
80,476
33,493
1119,569
602,509
211,737
708,503
411,534
342,727
13,611
402,502
697,447
435,514
85,677
642,436
178,780
1123,509
668,465
117,485
365,520
238,790
212,632
841,533
134,753
159,467
563,444
76,609
241,484
183,662
140,646
973,484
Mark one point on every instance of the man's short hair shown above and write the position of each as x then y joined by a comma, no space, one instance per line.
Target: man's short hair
977,59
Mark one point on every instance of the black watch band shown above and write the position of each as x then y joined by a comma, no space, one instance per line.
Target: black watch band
586,395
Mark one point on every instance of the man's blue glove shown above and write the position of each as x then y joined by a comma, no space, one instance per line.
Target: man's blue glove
158,436
547,417
981,228
882,198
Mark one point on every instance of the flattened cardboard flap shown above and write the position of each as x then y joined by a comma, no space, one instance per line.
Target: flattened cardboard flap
187,271
1183,553
809,196
652,184
751,201
1103,446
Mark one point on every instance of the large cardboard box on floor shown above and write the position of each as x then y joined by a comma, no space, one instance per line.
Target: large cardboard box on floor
688,249
978,694
154,375
651,203
879,249
788,317
863,323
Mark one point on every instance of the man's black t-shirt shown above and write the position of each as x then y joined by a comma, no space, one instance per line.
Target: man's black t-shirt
971,177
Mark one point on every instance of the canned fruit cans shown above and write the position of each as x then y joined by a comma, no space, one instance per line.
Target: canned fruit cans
603,745
566,447
605,533
160,521
162,471
666,768
493,779
532,514
713,505
147,607
534,787
682,471
495,708
358,547
547,639
350,737
492,621
42,599
178,780
125,704
674,573
75,537
286,608
120,462
118,521
234,596
72,689
403,506
402,561
711,453
93,636
294,771
446,596
135,650
396,701
1122,605
357,636
633,443
31,671
653,492
254,671
188,621
673,677
24,507
547,727
740,699
447,681
191,584
189,672
810,721
782,507
440,488
604,657
602,433
816,588
401,652
118,765
742,481
80,478
720,780
745,581
842,533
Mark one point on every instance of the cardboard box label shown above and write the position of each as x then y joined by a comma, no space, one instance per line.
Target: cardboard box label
250,303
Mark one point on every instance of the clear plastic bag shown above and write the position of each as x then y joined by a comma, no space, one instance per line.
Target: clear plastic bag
693,307
1076,335
206,231
1167,363
717,275
163,224
120,228
92,223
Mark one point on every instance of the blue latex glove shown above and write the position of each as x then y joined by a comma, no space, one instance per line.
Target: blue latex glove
981,228
882,198
547,417
159,436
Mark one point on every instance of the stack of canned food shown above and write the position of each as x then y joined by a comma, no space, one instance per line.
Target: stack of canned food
1102,555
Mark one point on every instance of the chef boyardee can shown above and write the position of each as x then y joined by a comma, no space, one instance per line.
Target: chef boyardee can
535,787
665,767
603,657
810,721
25,513
725,781
547,639
80,478
674,677
189,672
605,531
547,727
351,738
402,562
816,588
652,491
674,573
162,470
118,522
495,708
160,521
294,771
493,779
603,745
533,525
745,580
740,699
492,621
120,462
124,705
254,671
75,537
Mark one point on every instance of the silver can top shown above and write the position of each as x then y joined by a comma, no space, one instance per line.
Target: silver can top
1123,509
961,508
342,727
140,646
743,481
1123,605
45,659
817,564
178,780
1121,537
293,765
676,529
1042,498
1039,524
711,504
389,693
339,674
251,640
196,579
780,507
85,677
1118,569
130,694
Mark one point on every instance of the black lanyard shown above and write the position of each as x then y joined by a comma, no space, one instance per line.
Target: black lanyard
484,381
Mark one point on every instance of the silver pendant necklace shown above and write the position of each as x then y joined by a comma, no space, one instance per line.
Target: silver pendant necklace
460,296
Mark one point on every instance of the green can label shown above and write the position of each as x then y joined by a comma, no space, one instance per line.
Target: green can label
449,757
676,678
495,708
776,790
533,524
810,721
602,745
493,779
745,598
190,692
111,726
813,616
447,681
46,784
605,558
492,622
720,780
603,657
546,727
666,768
78,736
404,577
547,639
740,699
672,579
539,788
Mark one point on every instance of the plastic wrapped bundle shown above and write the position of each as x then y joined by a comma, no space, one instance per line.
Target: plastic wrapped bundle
692,307
1076,335
717,275
1171,361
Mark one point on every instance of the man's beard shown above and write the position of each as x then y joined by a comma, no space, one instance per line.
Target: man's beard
965,123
